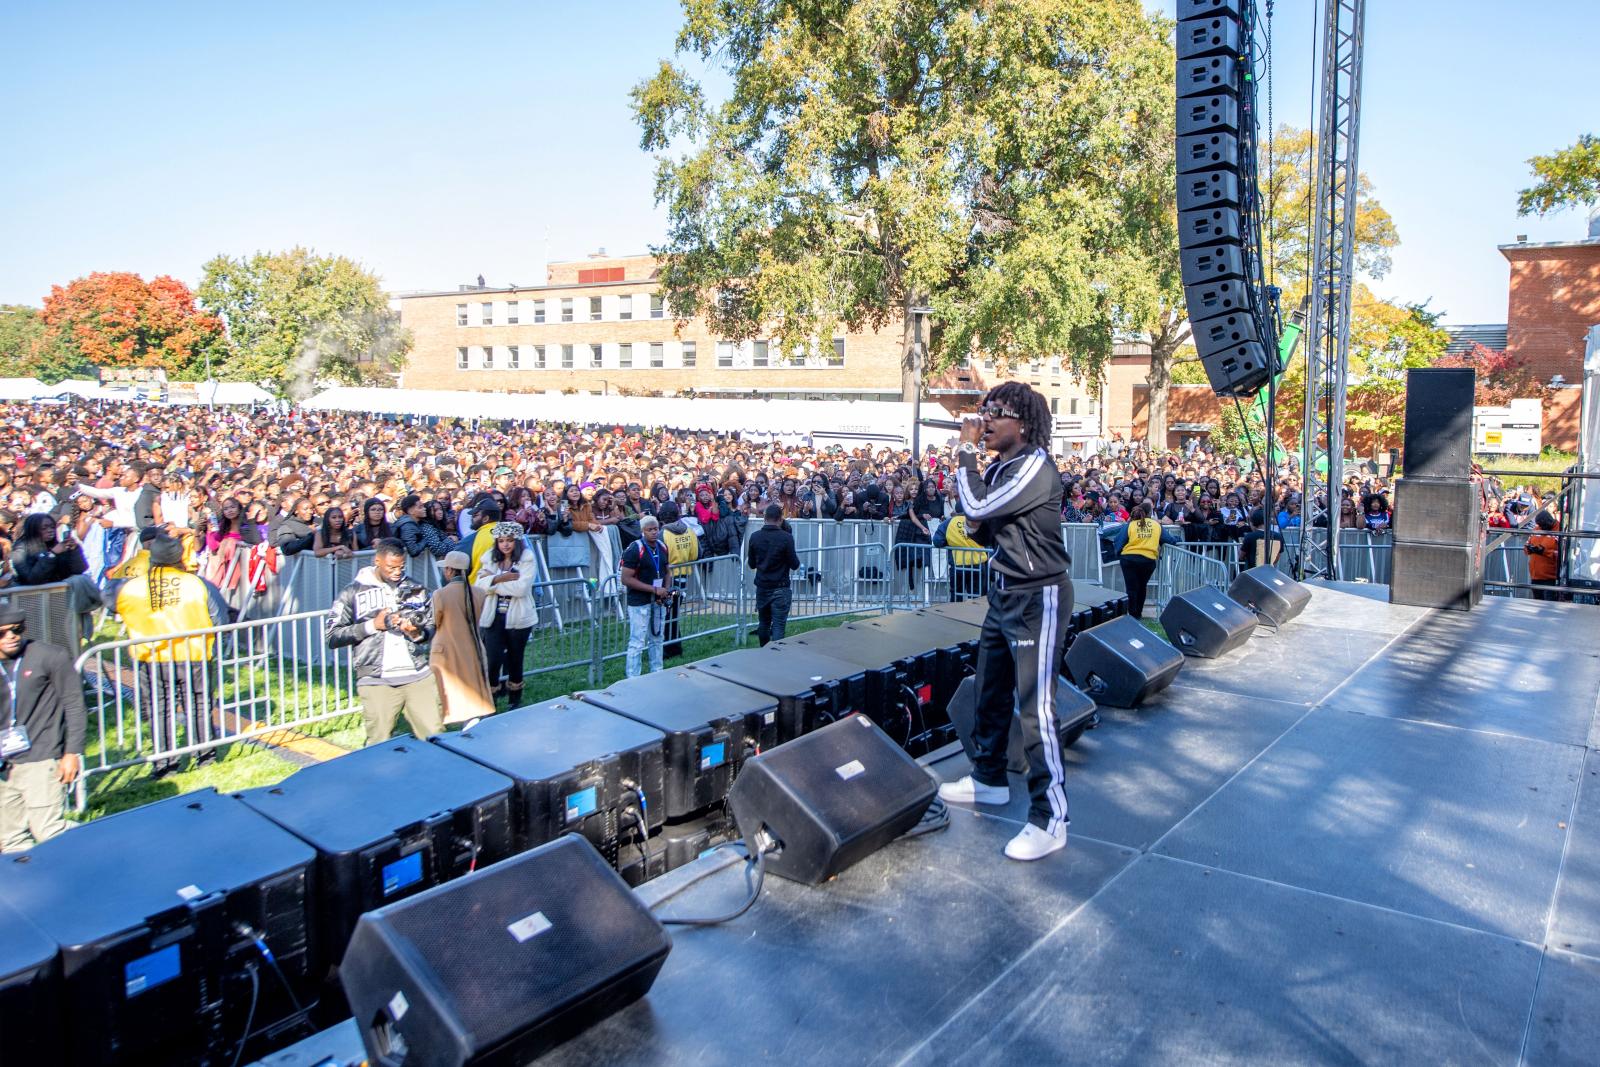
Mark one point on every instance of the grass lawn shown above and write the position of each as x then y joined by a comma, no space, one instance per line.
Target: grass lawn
248,765
1549,461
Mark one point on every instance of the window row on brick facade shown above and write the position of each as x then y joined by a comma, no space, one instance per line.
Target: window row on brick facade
730,355
624,308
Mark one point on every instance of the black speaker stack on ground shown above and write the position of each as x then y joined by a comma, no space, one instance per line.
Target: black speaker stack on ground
1438,518
1218,215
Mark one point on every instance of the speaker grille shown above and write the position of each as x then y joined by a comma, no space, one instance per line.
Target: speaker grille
596,930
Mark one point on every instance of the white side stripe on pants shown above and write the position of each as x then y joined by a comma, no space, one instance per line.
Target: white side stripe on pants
1045,700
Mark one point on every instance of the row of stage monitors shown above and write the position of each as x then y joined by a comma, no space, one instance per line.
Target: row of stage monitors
156,935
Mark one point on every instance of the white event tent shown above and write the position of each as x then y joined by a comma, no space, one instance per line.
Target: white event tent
821,422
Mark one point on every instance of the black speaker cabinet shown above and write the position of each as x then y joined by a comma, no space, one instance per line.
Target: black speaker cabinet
1438,434
712,726
827,800
972,612
1121,664
502,965
1206,623
30,991
1447,511
686,841
388,821
1075,713
577,769
1437,576
1270,593
812,689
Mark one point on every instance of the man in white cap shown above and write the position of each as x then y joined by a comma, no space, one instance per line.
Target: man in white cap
645,576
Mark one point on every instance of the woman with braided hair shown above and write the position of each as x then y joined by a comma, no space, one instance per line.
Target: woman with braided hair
1014,507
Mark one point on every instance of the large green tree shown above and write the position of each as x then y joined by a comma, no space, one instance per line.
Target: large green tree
1568,178
869,157
1286,177
295,318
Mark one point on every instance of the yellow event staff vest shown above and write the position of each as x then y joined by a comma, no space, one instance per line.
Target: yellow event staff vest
181,603
682,548
1144,539
956,537
482,542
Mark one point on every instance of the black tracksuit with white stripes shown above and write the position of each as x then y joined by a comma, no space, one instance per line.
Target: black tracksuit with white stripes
1017,506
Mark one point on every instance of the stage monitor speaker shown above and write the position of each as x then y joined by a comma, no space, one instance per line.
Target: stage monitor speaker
1437,576
1210,264
1121,664
1204,114
502,965
1438,433
1209,225
827,800
1270,593
1075,713
1447,511
1207,624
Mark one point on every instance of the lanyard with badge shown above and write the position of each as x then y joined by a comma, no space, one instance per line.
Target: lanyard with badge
655,562
14,738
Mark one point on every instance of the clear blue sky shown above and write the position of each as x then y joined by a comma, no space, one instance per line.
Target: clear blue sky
434,142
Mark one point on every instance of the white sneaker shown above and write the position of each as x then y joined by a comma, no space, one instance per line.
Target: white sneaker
970,791
1035,844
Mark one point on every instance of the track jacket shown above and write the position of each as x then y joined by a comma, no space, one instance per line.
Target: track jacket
1018,504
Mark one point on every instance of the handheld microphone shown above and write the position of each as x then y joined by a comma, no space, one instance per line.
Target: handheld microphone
940,424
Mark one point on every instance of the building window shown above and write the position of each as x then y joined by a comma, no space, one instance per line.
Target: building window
1091,405
488,312
600,274
658,354
511,312
461,314
624,308
538,311
1055,405
538,357
566,309
1072,406
836,358
566,357
688,353
594,355
488,357
725,353
758,353
514,357
658,306
624,355
594,309
461,357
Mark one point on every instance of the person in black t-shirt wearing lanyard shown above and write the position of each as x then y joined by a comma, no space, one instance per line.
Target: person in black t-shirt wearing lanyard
644,575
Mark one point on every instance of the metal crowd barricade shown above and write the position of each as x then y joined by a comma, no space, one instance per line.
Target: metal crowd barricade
160,699
1183,570
1508,564
1082,541
48,609
813,593
695,612
563,638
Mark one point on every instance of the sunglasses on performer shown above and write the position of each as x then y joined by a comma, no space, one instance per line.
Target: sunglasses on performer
15,630
997,411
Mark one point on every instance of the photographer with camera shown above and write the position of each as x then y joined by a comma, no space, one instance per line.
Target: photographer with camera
386,617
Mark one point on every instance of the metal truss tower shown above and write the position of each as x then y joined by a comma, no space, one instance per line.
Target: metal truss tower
1332,280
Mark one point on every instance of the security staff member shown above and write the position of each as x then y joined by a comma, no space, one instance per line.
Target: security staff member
41,734
1014,506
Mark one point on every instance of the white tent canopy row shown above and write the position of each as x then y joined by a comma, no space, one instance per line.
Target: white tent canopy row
225,393
841,421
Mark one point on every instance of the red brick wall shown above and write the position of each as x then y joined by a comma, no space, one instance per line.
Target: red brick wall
1554,299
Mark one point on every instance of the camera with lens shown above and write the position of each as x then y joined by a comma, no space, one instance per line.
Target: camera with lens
413,611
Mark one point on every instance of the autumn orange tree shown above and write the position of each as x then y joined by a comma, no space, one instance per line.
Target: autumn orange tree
117,319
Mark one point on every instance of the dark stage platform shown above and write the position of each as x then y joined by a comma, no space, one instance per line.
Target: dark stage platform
1373,838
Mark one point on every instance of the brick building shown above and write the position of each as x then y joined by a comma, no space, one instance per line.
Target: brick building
601,325
1554,297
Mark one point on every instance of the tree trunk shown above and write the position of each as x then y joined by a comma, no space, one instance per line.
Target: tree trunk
910,375
1163,346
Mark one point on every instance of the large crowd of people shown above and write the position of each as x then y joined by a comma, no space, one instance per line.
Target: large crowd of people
247,490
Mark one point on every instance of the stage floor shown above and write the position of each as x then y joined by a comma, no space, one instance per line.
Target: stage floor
1373,838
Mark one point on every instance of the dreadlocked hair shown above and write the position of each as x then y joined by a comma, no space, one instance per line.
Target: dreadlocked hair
1028,403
